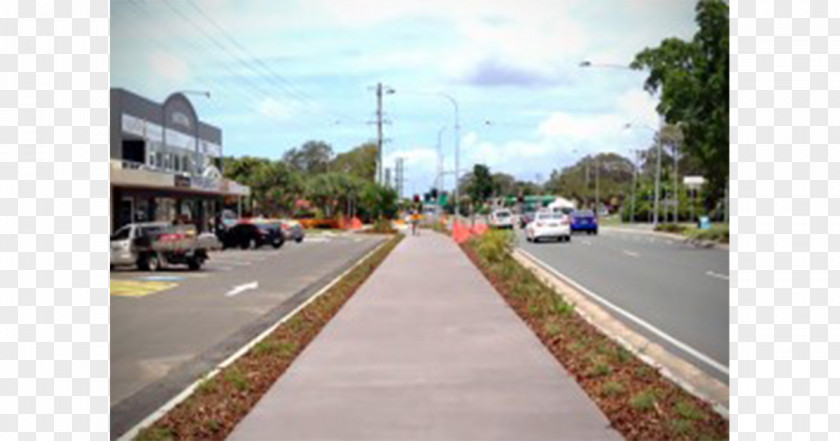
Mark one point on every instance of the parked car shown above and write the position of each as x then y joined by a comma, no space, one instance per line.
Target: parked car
501,219
526,217
584,220
152,245
248,235
292,230
548,225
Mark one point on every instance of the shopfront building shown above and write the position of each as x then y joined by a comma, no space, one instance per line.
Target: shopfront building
166,165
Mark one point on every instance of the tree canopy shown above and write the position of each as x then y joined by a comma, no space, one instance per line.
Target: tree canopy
693,80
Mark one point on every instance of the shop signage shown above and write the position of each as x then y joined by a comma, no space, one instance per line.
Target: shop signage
181,119
203,183
182,181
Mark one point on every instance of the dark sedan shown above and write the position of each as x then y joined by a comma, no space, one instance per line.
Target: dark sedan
253,235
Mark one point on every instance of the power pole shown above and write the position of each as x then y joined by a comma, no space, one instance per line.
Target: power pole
388,177
380,91
399,177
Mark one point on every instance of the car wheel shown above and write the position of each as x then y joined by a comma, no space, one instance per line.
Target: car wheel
194,264
277,243
153,263
299,239
595,232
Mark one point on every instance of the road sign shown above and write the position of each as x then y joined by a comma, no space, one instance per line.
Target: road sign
694,182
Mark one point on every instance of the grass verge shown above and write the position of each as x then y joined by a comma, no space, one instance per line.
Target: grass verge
639,402
219,403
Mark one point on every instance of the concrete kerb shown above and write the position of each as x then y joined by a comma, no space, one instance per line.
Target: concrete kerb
681,372
672,236
169,405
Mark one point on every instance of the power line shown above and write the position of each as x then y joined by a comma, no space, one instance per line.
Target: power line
242,62
245,89
286,84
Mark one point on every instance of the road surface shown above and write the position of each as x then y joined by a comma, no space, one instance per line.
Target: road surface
679,290
171,327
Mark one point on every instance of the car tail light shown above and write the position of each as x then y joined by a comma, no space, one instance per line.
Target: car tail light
284,226
564,220
540,224
171,237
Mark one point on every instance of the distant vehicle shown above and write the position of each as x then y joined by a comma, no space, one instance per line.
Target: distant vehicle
292,230
501,219
584,220
527,216
248,235
152,245
547,224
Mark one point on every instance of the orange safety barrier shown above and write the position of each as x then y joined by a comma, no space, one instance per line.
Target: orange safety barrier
460,232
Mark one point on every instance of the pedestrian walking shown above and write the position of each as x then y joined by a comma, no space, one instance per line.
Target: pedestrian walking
415,220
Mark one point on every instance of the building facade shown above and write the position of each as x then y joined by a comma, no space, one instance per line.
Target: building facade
166,164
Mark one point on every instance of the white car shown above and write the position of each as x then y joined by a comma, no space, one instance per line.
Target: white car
501,219
548,225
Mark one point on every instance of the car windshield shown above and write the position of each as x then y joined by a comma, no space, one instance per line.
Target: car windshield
584,213
550,216
267,227
121,234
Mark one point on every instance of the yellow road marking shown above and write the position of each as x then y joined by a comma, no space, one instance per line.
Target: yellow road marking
135,288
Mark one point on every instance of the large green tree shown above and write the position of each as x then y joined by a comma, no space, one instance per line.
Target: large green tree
360,162
693,80
312,157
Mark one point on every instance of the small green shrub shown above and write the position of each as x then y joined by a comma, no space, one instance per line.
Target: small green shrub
213,425
207,386
717,233
643,400
680,427
614,388
552,328
155,434
495,245
688,410
670,228
237,378
383,226
601,369
622,355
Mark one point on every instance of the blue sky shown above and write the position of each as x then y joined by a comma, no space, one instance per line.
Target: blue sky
283,72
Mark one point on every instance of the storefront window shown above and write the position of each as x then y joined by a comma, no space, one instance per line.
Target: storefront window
165,209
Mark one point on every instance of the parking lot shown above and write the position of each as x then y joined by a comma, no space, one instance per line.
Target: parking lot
170,327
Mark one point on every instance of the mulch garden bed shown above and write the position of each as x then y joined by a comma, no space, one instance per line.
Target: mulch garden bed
639,402
220,402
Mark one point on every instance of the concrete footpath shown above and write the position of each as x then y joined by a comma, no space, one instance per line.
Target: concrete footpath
426,349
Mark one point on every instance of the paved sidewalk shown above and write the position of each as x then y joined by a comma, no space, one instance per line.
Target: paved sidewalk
426,349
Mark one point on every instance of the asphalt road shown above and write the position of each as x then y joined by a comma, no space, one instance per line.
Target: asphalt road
679,289
162,341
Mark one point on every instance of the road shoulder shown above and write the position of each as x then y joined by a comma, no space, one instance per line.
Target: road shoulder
689,377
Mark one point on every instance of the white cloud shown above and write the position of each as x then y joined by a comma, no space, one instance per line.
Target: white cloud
272,108
169,66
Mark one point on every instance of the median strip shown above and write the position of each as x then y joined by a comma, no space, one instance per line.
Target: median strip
639,401
211,408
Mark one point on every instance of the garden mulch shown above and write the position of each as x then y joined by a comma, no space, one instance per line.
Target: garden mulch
639,402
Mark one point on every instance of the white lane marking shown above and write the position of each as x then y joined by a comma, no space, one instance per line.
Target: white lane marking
630,253
316,239
717,275
685,347
242,288
585,242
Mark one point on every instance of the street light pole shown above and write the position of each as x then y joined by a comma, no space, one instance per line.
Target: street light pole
658,175
457,152
635,154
